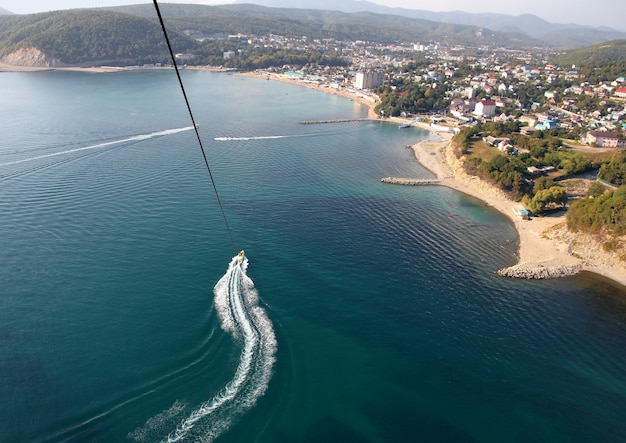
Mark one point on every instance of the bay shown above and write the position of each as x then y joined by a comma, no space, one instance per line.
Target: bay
390,323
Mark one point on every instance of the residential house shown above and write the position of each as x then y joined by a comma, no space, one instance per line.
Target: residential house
528,119
535,171
485,108
605,139
547,124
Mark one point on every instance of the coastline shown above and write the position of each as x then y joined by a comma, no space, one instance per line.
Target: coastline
546,248
355,96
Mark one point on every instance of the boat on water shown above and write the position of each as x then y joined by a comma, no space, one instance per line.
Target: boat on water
240,256
405,125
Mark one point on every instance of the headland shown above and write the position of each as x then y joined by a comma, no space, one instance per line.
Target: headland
547,249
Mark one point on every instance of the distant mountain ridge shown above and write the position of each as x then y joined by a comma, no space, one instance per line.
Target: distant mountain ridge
131,35
5,12
554,34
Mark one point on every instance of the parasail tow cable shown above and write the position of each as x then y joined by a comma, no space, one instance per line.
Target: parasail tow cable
195,126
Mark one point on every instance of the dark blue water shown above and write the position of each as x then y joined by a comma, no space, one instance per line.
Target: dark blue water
386,322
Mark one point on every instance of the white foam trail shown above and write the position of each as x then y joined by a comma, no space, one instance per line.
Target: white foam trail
236,304
266,137
102,145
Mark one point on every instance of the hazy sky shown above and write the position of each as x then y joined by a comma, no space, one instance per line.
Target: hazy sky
596,13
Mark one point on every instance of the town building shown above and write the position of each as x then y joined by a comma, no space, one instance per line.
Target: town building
605,139
485,108
369,79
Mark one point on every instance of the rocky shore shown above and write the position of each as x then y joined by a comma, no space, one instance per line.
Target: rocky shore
409,181
539,271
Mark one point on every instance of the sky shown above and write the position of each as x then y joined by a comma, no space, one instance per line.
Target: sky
610,13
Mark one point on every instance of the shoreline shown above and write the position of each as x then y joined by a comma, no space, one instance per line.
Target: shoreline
546,248
370,102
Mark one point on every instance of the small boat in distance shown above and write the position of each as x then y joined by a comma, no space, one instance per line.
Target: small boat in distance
240,256
405,125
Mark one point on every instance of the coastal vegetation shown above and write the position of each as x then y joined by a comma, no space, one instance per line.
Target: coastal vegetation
600,214
613,171
409,97
510,170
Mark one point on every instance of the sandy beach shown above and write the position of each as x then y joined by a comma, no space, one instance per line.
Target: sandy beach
545,244
356,96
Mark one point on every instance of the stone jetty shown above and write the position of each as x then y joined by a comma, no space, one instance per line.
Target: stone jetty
410,181
538,271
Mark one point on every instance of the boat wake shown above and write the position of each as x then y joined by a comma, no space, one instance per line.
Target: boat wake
134,138
236,302
263,137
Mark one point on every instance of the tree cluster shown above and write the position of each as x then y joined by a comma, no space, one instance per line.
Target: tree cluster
262,58
510,172
411,98
614,170
551,198
600,213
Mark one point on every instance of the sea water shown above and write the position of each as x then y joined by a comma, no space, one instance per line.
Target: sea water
363,312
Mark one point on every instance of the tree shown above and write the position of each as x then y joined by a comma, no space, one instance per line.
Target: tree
596,189
547,199
614,171
543,183
603,213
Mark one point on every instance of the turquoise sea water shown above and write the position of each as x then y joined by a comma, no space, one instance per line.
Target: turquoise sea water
375,314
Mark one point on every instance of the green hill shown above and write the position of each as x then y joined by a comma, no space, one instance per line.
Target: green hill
89,36
132,35
603,53
314,23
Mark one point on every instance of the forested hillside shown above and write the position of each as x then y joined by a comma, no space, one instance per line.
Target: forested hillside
89,36
131,34
384,28
600,54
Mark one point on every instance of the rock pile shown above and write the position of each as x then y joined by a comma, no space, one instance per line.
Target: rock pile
537,271
409,181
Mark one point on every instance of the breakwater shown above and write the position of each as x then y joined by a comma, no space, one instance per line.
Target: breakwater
409,181
341,120
538,271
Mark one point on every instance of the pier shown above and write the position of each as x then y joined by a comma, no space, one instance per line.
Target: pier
341,120
410,181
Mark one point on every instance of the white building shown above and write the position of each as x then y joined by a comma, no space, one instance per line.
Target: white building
369,79
485,108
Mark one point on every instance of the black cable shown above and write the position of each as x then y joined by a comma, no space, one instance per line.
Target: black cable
195,126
